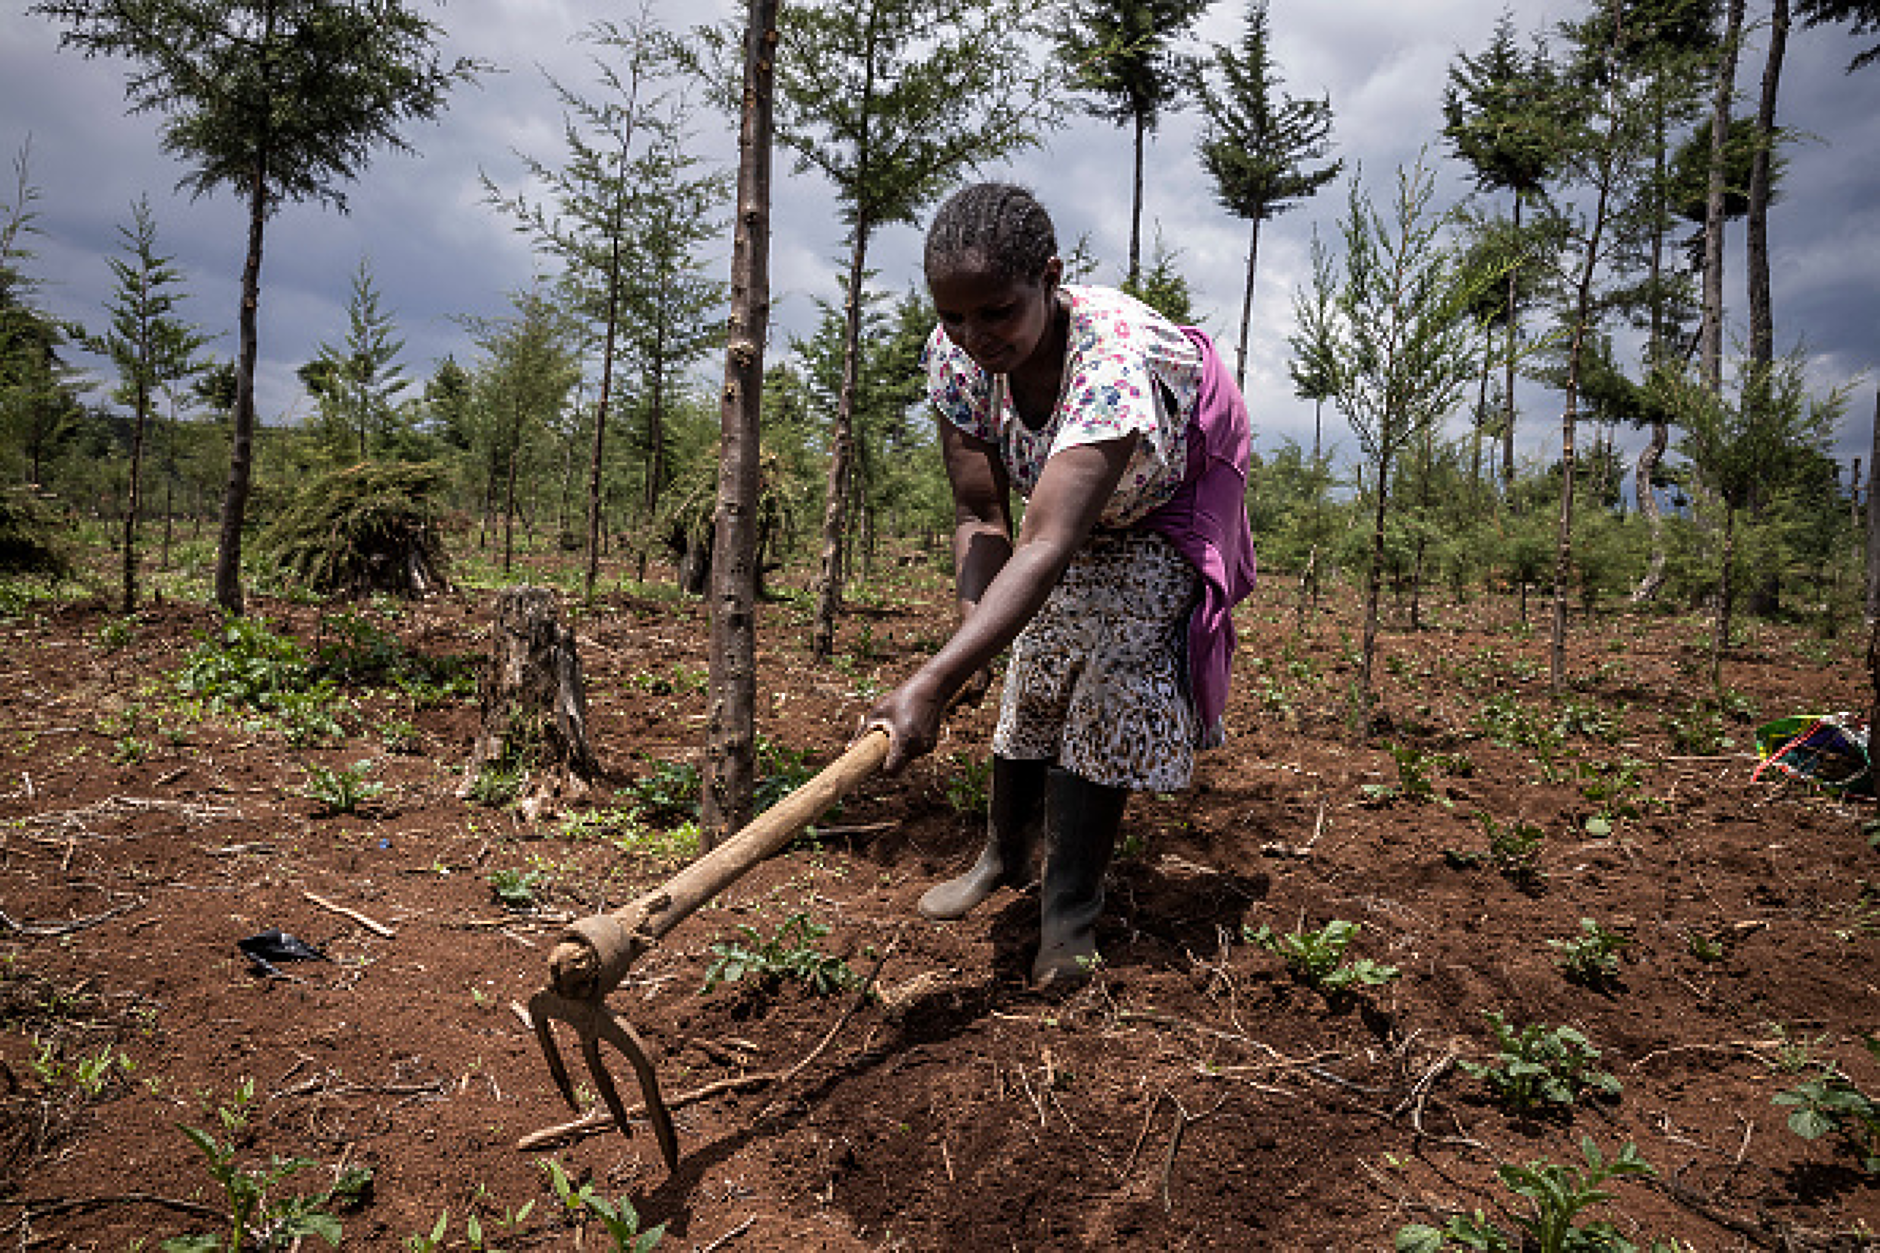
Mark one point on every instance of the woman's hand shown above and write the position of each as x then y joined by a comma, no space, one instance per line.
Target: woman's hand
910,714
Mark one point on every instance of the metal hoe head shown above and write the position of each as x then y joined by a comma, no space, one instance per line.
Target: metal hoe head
593,1024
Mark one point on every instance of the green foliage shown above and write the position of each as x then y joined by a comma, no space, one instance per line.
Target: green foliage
365,528
245,665
1514,849
259,1216
790,953
668,795
1556,1195
1539,1067
969,784
1318,957
1698,730
1593,958
516,889
1830,1104
782,770
620,1220
1613,787
89,1075
341,791
31,537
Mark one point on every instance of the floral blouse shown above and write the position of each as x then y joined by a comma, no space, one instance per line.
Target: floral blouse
1118,351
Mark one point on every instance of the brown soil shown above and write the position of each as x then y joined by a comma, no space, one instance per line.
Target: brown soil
1194,1096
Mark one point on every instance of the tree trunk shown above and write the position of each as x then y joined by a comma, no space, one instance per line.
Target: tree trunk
228,555
1710,329
1135,205
600,411
1648,459
1507,384
1761,314
841,455
731,754
533,703
1873,524
1373,585
509,497
1246,306
1720,638
130,513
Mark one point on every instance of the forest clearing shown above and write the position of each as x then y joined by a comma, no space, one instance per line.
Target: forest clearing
1676,943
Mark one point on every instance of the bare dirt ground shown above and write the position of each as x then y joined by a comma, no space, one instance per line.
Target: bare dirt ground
1196,1096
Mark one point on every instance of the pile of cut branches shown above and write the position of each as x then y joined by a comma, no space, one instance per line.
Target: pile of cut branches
30,537
364,529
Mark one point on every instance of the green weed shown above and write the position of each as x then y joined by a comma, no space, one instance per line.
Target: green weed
789,954
1593,958
1318,957
969,784
1539,1067
516,889
620,1220
1556,1196
1830,1104
341,791
258,1215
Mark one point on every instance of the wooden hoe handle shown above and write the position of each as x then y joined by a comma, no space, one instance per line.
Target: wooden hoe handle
596,952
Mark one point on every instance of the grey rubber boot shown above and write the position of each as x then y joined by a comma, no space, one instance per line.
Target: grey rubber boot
1014,818
1083,819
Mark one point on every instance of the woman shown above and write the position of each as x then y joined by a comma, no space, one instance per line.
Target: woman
1128,441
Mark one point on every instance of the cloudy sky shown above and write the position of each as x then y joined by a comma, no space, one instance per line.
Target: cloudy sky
438,252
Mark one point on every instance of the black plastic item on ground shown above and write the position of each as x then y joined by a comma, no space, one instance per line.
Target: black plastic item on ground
274,945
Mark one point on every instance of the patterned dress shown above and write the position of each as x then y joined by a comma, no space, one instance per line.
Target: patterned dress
1096,679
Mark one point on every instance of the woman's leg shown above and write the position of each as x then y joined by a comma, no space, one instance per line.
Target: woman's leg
1014,815
1083,819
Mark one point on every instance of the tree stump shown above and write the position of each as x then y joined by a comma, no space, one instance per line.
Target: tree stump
534,705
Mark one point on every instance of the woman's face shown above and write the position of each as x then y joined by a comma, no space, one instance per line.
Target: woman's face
1002,323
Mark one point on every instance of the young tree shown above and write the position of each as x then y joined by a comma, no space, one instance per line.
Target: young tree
529,368
1399,342
1744,450
152,349
586,223
731,728
1120,54
1258,144
276,100
1500,114
1603,156
357,383
37,405
891,100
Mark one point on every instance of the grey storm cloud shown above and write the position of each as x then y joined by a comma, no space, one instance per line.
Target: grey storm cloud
438,252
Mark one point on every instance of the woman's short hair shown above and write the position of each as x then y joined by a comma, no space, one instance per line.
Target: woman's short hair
1002,224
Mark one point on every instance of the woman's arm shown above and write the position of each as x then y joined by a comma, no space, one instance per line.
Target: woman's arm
1001,586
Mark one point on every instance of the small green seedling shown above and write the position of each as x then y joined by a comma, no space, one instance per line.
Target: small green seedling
258,1216
1318,957
1514,850
1830,1104
1539,1067
1593,959
619,1218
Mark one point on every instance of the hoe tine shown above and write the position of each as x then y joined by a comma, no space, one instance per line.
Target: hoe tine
543,1006
592,1024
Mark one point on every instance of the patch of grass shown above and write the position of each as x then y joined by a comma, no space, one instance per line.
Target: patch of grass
516,889
1697,730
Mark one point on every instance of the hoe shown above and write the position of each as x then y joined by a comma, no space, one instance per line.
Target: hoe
596,952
